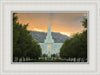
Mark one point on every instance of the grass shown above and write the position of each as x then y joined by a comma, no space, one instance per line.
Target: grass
51,61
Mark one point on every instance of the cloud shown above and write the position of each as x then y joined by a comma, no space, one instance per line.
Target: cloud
67,23
36,29
65,33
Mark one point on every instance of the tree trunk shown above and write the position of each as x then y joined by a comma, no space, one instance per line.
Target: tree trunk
13,59
18,59
22,59
25,58
30,58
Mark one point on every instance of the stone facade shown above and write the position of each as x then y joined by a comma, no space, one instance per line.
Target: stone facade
49,47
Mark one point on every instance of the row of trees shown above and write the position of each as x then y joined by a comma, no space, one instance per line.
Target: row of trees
76,47
23,43
52,56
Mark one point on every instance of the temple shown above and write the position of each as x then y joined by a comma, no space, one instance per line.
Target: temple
49,47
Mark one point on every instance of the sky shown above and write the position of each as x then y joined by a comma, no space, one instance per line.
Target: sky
64,23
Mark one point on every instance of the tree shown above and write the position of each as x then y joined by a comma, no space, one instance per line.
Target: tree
53,55
44,55
76,46
16,34
84,22
23,43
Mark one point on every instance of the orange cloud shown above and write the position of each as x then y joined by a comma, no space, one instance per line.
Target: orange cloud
64,23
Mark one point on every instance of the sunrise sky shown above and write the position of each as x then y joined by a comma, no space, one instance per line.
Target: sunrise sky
64,23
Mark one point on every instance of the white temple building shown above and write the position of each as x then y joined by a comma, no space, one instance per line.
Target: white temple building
49,47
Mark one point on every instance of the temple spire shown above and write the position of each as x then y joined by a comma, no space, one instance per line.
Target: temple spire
49,20
49,36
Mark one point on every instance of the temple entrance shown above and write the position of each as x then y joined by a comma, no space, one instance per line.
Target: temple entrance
49,47
49,50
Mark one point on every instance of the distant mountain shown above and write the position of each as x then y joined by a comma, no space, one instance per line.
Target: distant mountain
41,36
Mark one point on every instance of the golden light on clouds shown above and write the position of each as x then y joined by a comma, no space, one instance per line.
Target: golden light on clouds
65,33
64,23
36,29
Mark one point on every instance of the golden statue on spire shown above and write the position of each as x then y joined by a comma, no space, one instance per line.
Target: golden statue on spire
50,18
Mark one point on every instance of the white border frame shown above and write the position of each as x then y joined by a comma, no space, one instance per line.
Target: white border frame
8,68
